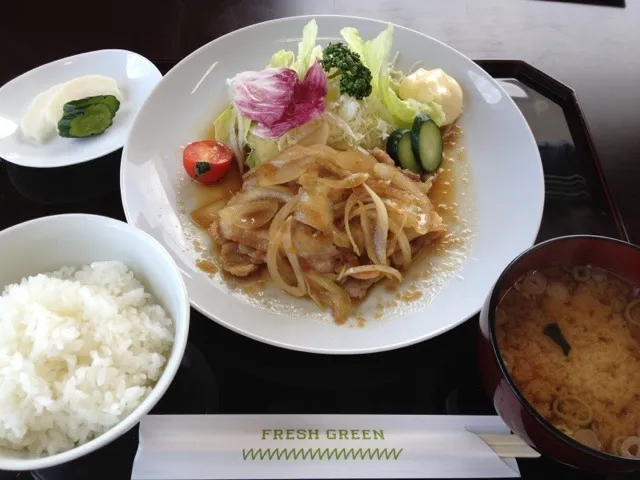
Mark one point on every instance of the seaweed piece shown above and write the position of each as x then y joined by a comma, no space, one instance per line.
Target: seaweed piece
552,330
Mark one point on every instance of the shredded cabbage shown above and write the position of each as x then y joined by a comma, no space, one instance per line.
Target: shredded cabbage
362,123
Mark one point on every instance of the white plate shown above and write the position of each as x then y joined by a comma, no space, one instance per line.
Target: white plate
136,77
506,177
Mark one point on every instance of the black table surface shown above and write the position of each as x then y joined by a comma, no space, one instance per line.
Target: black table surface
249,377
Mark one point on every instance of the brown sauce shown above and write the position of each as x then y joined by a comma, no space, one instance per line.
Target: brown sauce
252,285
209,199
207,266
409,296
444,192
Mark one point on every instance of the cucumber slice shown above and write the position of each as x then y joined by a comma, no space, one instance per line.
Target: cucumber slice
109,100
85,122
399,148
426,142
393,141
406,157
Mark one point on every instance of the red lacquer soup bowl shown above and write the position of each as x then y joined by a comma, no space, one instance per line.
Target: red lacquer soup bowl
614,256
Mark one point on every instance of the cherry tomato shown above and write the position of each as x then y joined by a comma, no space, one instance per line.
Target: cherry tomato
206,161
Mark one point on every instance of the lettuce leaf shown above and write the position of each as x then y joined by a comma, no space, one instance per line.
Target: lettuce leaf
232,129
354,41
262,149
222,126
316,53
375,54
282,58
305,49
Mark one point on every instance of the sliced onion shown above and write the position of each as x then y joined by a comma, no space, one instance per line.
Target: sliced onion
382,226
384,171
275,192
341,239
628,312
314,295
317,137
367,272
287,166
392,174
272,265
331,165
368,241
402,241
563,428
250,215
615,445
339,206
274,173
334,295
412,234
583,422
351,181
356,161
417,216
290,251
533,283
286,270
628,444
400,180
402,196
351,202
314,209
283,213
362,210
581,273
325,149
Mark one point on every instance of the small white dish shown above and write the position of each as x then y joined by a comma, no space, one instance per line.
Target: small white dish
136,77
48,243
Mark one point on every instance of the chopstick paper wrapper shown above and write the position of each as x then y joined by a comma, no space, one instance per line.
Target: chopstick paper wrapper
194,447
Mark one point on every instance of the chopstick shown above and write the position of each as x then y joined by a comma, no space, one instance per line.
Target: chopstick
509,446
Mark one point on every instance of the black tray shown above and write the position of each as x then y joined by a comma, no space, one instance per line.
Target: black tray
438,376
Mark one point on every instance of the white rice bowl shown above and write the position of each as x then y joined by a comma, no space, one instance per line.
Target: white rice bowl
80,349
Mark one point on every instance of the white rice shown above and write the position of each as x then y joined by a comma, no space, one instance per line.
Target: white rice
79,350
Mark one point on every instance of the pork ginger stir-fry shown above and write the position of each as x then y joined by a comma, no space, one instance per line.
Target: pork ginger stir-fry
327,224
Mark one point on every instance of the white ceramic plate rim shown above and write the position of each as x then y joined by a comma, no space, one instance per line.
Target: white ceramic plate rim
67,160
535,210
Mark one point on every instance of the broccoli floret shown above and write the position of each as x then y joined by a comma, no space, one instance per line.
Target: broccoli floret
355,79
